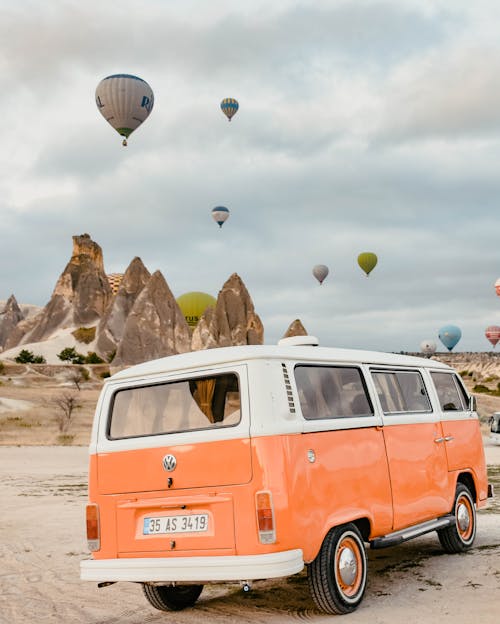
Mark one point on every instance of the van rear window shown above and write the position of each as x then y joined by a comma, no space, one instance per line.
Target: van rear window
331,392
451,395
187,405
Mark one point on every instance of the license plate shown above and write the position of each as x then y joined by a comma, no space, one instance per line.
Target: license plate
190,523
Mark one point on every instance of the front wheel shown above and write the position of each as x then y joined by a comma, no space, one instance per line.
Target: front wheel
337,577
460,535
172,597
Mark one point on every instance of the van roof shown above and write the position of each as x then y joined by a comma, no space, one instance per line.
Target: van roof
231,355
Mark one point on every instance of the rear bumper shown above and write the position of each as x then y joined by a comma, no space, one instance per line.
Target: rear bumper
193,569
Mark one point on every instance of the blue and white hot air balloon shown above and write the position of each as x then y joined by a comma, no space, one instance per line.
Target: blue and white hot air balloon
450,335
220,214
124,101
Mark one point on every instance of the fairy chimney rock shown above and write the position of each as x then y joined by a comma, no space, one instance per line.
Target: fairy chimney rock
295,329
112,325
155,326
233,322
9,318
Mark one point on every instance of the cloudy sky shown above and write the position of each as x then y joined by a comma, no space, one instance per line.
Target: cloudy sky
363,126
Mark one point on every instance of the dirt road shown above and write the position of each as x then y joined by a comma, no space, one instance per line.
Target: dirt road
42,541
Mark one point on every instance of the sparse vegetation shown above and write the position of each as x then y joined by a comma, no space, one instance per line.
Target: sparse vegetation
66,403
2,367
482,389
105,375
93,358
28,357
84,334
78,376
70,354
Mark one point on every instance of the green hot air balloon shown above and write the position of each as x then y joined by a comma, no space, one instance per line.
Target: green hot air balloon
367,261
193,304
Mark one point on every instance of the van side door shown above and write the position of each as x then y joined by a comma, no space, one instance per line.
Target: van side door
417,457
461,432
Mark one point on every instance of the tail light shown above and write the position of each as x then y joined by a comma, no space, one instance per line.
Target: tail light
93,529
265,517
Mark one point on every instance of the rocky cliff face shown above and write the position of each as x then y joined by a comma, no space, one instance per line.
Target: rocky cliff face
80,297
9,318
155,326
112,325
232,322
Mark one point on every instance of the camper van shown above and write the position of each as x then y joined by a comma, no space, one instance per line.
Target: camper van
246,463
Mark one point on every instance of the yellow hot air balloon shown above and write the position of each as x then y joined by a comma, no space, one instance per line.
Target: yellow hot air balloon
193,304
367,261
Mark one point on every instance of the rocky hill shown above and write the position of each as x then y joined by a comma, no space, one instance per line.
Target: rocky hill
138,322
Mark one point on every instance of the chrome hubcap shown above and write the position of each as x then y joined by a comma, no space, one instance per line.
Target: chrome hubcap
463,517
348,568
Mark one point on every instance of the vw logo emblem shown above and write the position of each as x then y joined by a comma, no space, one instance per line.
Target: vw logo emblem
169,463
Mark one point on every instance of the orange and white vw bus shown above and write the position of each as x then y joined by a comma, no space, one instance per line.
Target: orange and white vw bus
245,463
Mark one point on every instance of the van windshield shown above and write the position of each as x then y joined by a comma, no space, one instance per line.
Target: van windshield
190,404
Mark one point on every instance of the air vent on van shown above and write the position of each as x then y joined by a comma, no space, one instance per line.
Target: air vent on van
299,341
289,393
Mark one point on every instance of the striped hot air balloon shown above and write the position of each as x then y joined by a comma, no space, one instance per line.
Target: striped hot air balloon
229,107
492,333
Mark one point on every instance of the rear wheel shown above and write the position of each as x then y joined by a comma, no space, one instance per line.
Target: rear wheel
337,577
172,597
460,535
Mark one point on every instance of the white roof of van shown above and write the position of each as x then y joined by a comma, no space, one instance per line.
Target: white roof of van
231,355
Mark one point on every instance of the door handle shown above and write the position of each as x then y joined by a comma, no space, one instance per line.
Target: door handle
449,438
438,440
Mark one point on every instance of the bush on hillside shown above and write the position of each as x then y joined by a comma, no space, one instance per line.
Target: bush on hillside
28,357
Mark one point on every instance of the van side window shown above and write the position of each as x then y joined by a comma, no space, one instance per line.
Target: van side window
401,391
197,403
450,392
331,392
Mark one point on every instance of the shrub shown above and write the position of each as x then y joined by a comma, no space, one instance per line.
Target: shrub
2,367
28,357
93,358
84,334
105,375
71,355
480,388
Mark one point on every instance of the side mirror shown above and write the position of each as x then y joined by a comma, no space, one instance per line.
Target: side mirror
473,404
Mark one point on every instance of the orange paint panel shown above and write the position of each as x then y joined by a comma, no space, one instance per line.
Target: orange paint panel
422,488
218,463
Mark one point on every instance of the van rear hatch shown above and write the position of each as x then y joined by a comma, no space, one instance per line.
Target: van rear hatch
176,449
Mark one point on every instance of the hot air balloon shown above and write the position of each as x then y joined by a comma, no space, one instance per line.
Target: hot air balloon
493,334
193,304
367,261
497,286
449,336
124,101
229,107
428,347
220,215
320,271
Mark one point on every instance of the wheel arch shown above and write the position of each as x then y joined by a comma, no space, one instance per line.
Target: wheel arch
467,479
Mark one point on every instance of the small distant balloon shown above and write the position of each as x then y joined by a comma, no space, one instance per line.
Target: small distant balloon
450,335
220,215
320,271
492,333
428,347
124,101
229,107
367,261
497,286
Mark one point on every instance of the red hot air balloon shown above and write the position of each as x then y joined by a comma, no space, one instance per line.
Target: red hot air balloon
497,286
493,334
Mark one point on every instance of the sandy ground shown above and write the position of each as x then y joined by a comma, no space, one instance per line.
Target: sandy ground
42,541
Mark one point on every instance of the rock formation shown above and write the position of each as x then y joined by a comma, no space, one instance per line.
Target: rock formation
112,325
9,318
233,322
80,297
295,329
155,326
